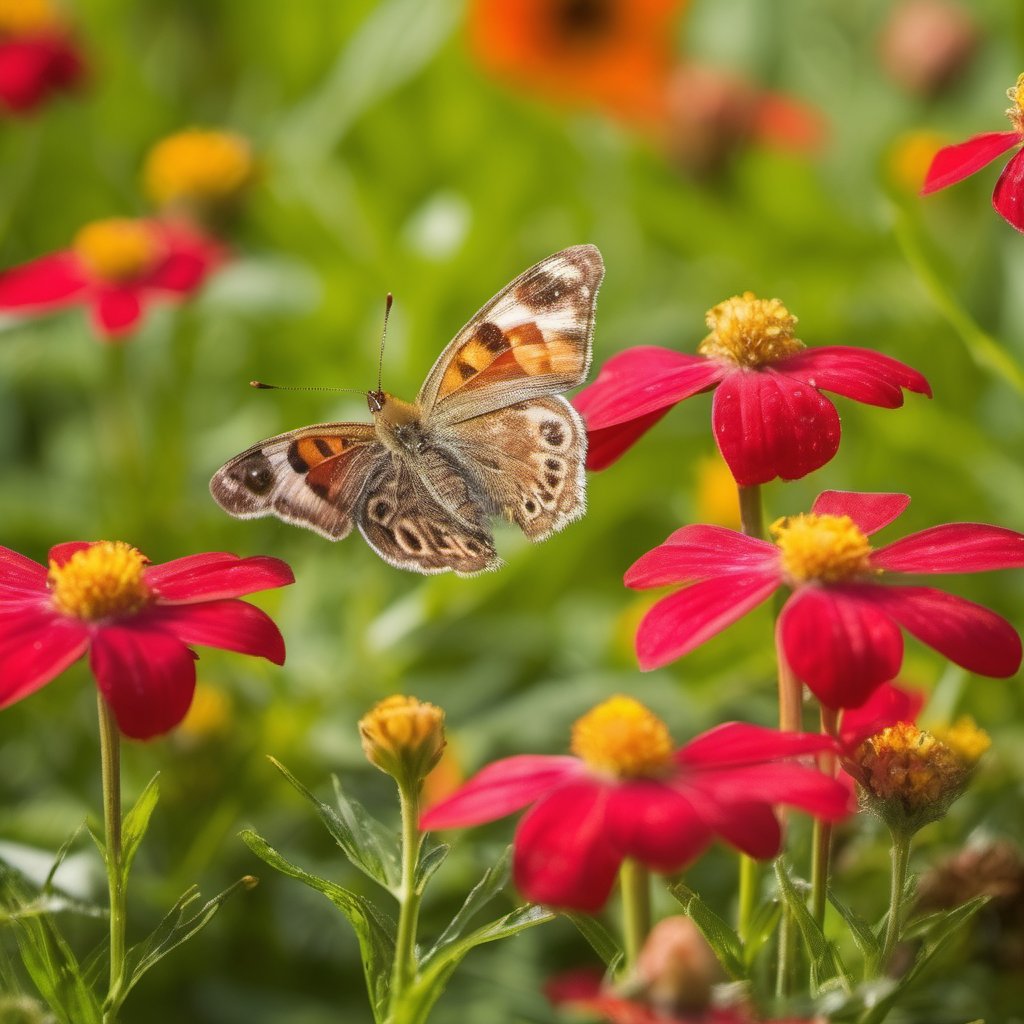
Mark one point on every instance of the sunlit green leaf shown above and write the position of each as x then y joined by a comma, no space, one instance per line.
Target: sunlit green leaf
722,939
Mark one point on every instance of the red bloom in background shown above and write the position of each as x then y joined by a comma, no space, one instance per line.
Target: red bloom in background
115,267
626,793
888,705
614,54
954,163
38,55
136,620
769,416
840,630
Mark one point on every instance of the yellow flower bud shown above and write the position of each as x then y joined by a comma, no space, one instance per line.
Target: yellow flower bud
403,737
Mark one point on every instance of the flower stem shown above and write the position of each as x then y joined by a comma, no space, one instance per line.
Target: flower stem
822,850
751,511
635,881
110,773
900,859
404,967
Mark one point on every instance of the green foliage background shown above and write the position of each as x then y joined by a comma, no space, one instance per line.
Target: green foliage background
391,162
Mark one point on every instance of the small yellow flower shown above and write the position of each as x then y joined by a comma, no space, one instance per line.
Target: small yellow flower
622,738
403,737
117,249
209,716
716,498
28,17
199,167
909,157
100,581
749,331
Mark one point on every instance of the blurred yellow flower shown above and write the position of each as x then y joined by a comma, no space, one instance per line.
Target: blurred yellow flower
909,157
716,501
199,167
210,715
28,17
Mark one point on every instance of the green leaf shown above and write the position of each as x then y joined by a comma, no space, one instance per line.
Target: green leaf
866,940
61,856
603,943
374,929
135,823
723,940
429,862
761,929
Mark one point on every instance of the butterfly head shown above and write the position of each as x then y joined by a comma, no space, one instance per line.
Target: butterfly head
376,400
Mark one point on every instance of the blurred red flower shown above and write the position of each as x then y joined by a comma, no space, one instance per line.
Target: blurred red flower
954,163
840,629
612,54
627,793
769,416
136,620
115,267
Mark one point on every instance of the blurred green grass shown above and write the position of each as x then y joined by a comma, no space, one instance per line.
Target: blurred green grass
391,163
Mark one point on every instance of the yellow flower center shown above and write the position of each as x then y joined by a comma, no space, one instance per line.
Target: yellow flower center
964,738
100,581
403,736
198,165
749,331
827,548
28,17
1016,97
623,738
117,249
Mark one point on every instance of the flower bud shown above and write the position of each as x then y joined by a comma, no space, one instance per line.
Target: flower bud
677,967
926,44
403,737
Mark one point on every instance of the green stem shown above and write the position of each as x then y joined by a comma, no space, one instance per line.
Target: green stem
751,511
900,860
790,719
110,772
821,855
635,881
404,967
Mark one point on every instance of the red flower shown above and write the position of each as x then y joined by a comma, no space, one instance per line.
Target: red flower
626,793
954,163
115,267
769,416
888,705
840,629
136,620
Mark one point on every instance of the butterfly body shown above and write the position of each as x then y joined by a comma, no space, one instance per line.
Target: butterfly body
488,437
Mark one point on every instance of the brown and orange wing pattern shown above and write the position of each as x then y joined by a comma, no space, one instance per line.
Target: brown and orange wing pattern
533,338
312,477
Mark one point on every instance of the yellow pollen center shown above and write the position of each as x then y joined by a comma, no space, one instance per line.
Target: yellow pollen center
28,17
117,249
623,738
749,331
1016,97
100,581
964,738
827,548
198,165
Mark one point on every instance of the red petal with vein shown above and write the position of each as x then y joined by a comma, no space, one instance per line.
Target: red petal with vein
216,574
607,445
643,380
752,828
697,552
967,633
231,625
116,311
840,643
36,645
769,426
738,743
655,825
779,783
61,553
146,676
954,163
1008,197
857,373
680,622
563,856
50,282
501,788
18,571
870,511
888,705
953,548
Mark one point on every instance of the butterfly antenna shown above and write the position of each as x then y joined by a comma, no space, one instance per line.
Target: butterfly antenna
298,387
388,303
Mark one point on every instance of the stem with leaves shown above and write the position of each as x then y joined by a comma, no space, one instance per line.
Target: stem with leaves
635,882
404,966
900,859
821,855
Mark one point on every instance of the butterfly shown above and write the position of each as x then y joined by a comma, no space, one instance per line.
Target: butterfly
488,437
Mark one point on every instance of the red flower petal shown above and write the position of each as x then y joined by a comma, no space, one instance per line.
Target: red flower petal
216,574
61,553
605,446
180,273
954,163
146,676
738,743
50,282
36,645
116,311
231,625
776,783
768,425
869,510
655,825
857,373
25,75
839,642
501,788
967,633
697,552
1008,197
17,571
953,548
888,705
683,621
750,827
563,856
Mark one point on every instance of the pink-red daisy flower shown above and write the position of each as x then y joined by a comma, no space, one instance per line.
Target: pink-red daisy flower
627,793
840,630
954,163
136,621
115,267
769,416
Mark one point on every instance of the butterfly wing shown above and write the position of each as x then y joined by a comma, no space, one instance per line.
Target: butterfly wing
533,338
313,477
529,462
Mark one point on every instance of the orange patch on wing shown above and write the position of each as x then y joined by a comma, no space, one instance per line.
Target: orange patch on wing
314,450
